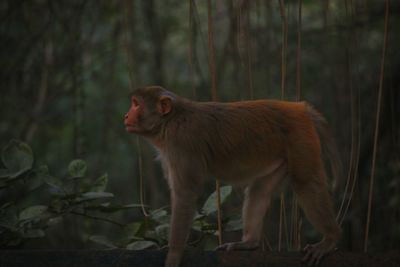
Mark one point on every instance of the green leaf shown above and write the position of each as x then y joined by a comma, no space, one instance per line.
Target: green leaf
32,212
99,239
197,225
209,228
234,225
140,245
100,184
9,219
37,177
93,195
54,221
160,216
210,205
132,229
106,207
163,231
150,234
77,168
34,233
17,157
198,216
42,171
53,181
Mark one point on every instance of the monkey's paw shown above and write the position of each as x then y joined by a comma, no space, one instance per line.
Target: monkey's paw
238,246
315,252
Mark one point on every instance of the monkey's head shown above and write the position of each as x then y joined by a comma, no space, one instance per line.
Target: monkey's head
150,106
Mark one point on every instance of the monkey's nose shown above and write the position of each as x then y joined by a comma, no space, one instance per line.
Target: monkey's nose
126,116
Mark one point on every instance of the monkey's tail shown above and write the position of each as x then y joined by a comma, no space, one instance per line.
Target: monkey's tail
329,147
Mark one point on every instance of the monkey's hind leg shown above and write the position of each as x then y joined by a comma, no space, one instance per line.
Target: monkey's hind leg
257,201
314,198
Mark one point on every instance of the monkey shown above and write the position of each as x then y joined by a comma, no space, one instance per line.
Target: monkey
258,143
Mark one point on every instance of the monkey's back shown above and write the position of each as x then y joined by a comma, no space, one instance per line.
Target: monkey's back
236,138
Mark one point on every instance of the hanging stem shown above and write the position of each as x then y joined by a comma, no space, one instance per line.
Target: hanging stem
211,54
141,182
211,65
284,46
128,13
191,64
298,61
248,53
283,77
295,214
378,115
281,207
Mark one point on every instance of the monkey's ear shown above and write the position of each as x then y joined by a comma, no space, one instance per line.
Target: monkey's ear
164,105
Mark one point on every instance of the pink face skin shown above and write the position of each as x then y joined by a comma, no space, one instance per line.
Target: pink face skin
132,116
131,120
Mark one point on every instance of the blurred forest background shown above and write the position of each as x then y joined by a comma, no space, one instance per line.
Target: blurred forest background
67,68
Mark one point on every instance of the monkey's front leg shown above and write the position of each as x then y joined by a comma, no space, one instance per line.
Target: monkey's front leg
183,210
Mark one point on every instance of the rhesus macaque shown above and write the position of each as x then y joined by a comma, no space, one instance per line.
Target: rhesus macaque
257,143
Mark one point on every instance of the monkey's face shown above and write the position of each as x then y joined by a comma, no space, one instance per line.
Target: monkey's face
132,117
146,114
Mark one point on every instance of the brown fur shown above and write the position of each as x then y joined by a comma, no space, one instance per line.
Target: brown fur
257,143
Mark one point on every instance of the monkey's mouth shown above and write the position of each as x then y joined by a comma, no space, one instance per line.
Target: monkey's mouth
130,128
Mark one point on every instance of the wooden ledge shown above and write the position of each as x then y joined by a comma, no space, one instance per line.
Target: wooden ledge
192,258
